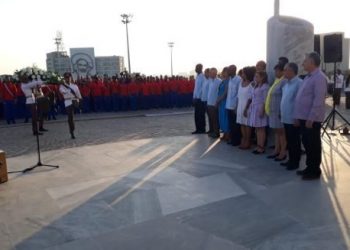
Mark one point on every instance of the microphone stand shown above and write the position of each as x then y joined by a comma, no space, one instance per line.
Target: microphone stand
39,163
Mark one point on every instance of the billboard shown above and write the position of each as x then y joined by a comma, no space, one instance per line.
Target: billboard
83,62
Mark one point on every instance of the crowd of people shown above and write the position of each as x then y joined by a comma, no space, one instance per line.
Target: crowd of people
102,95
244,107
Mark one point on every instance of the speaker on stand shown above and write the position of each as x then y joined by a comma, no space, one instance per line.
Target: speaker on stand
333,53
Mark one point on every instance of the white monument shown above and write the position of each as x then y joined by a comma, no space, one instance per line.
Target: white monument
290,37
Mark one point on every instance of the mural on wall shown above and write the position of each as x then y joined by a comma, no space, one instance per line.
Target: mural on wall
83,62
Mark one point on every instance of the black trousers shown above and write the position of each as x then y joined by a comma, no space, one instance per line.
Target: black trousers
205,106
235,128
293,144
70,114
199,115
311,138
214,119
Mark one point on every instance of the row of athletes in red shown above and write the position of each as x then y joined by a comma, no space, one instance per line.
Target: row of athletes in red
109,88
134,88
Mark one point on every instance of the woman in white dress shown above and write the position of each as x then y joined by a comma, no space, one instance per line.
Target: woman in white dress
244,93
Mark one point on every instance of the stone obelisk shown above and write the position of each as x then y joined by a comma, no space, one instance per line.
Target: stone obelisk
287,36
277,8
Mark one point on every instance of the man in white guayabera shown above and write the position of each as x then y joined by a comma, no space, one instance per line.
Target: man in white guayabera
32,89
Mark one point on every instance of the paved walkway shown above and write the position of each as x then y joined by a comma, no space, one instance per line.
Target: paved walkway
145,183
92,129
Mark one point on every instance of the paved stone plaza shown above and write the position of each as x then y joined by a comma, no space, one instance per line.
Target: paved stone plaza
136,181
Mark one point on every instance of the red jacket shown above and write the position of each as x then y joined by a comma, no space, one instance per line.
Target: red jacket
157,88
8,92
189,87
182,87
123,89
106,89
85,90
46,89
191,82
132,88
96,88
115,88
145,88
19,91
173,85
165,87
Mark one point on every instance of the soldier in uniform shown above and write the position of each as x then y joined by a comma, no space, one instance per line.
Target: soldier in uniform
31,90
71,95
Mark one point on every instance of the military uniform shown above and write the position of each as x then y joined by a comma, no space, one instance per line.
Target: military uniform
70,93
30,90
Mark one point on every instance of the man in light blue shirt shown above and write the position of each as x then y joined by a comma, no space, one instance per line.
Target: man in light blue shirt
205,86
231,106
289,93
211,103
199,113
204,96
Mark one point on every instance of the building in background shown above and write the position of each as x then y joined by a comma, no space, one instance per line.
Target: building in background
58,62
109,65
82,63
329,67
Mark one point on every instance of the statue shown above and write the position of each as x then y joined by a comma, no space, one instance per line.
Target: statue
287,36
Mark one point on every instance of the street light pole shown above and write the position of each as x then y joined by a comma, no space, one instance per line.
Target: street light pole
126,18
171,45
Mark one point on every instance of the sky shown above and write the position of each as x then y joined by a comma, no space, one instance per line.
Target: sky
215,33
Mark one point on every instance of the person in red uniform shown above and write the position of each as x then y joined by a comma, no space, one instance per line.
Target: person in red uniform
166,92
157,93
97,94
21,108
152,87
146,93
192,83
115,94
124,94
138,82
173,92
85,91
8,93
107,94
189,92
132,94
182,92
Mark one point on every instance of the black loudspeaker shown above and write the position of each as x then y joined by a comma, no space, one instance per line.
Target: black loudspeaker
317,44
333,48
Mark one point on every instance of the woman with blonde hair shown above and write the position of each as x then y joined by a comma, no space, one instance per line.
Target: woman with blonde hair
273,110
